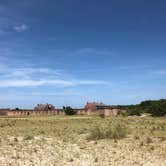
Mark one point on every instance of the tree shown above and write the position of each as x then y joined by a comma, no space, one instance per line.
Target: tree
135,111
69,111
158,109
154,107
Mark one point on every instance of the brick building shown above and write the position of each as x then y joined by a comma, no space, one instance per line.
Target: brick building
4,111
91,108
40,109
95,108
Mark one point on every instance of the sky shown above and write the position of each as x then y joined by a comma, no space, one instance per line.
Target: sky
69,52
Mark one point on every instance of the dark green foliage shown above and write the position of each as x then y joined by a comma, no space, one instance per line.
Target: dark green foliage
135,111
69,111
154,107
123,114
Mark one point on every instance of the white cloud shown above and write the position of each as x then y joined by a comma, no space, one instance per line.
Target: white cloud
131,67
19,83
21,28
156,73
93,51
28,77
24,73
160,72
55,82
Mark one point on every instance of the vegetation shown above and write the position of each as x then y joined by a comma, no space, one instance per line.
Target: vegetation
82,140
69,111
154,107
102,116
112,131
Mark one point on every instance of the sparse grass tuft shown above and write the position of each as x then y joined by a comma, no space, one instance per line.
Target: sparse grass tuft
29,137
136,137
54,140
149,140
112,131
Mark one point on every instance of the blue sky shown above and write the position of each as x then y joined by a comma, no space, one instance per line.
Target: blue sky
68,52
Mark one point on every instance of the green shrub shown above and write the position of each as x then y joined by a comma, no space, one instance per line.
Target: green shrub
154,107
113,131
118,131
69,111
123,114
135,111
96,133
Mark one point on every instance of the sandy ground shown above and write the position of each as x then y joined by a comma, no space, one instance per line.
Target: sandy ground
42,151
62,141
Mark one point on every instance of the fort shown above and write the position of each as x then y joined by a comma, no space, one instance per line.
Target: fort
91,108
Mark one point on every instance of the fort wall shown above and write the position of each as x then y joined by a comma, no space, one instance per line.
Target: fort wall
49,110
4,112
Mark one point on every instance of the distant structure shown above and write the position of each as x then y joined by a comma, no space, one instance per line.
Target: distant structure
44,107
91,108
40,109
95,108
47,109
4,111
15,112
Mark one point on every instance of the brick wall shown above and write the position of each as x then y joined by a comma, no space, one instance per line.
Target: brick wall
4,112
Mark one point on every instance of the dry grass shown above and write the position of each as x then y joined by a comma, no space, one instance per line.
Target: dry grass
115,130
63,140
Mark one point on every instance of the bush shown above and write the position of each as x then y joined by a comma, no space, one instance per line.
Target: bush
113,131
123,114
96,133
154,107
118,131
158,110
135,111
69,111
102,116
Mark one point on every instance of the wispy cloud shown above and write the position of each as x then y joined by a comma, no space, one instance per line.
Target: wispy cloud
28,77
93,51
132,67
55,82
159,72
21,28
29,73
156,73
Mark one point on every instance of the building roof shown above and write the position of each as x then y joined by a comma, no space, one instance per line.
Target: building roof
100,105
44,107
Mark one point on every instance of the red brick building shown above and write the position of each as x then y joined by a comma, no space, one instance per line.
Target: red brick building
95,108
91,108
40,109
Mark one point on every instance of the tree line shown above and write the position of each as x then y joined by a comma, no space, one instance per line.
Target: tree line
154,107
